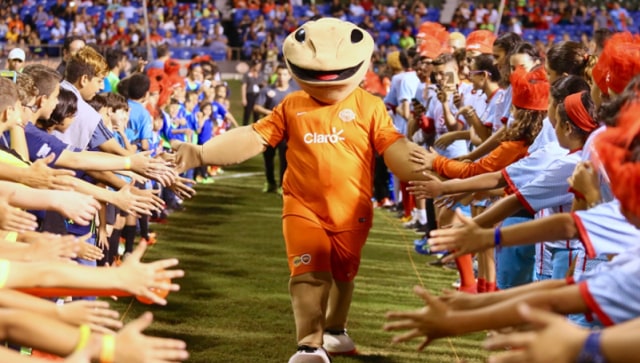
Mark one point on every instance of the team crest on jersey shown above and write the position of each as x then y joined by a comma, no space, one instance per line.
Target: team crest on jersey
347,115
302,260
271,93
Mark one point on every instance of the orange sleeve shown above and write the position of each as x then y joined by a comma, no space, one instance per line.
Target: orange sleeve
272,126
506,153
382,133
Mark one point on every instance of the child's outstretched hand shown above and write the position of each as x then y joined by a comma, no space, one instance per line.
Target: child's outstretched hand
133,346
429,321
139,278
95,313
88,251
49,247
14,219
555,339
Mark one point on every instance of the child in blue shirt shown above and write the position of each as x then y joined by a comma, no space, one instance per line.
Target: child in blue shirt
205,133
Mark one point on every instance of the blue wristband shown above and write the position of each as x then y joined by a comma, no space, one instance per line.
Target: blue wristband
497,238
591,352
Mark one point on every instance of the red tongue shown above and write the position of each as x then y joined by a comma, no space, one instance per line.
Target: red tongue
327,77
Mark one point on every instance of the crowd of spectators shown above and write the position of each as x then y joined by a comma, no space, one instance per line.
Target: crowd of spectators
256,29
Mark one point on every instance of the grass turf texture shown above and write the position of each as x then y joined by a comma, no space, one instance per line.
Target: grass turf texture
234,304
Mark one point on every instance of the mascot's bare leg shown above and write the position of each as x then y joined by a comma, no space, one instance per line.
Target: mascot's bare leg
339,304
309,296
336,340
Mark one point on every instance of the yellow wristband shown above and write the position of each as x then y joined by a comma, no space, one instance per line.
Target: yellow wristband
107,353
4,272
127,163
85,333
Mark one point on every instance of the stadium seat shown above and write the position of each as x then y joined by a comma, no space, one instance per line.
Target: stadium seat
218,55
355,19
182,53
324,9
95,10
45,35
299,11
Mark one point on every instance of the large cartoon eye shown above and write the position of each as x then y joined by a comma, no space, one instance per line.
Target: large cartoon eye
356,36
301,35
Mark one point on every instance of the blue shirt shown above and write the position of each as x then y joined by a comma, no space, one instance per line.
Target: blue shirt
169,128
87,130
140,123
219,111
206,132
155,145
40,144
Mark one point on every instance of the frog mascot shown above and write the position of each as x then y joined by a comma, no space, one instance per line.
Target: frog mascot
333,131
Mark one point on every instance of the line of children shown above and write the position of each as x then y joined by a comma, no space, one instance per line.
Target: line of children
580,180
32,112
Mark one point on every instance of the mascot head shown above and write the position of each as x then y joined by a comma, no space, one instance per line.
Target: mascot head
328,58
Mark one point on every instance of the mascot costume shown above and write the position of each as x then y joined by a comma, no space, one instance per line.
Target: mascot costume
333,131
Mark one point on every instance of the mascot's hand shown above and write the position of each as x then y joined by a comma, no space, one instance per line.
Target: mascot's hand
188,156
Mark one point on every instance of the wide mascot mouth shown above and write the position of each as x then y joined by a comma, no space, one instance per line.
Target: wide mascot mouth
309,75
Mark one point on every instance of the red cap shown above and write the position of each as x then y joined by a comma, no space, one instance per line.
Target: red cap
618,63
624,64
613,150
481,41
430,29
530,89
434,31
430,48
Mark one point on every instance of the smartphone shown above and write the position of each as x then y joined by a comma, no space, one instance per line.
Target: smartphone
10,75
449,82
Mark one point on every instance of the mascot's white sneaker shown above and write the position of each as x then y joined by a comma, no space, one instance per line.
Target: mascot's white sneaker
306,354
338,342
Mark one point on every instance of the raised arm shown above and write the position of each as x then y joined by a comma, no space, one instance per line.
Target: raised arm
434,187
232,147
437,320
469,237
396,157
132,276
140,163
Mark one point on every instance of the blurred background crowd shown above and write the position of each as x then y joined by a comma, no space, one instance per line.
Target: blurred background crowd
255,29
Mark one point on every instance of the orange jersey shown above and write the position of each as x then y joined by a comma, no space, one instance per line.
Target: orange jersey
330,155
505,154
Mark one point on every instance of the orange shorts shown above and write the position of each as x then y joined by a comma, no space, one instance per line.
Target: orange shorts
311,248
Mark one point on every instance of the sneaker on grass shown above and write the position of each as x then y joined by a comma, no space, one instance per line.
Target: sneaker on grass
307,354
338,342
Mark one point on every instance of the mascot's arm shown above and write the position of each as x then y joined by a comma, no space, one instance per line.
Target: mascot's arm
396,157
232,147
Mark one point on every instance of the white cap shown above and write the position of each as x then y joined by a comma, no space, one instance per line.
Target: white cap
17,53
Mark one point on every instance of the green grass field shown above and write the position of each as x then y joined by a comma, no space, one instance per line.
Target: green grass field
234,304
